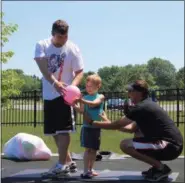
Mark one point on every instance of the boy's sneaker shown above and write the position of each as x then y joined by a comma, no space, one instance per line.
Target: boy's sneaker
73,167
157,175
87,175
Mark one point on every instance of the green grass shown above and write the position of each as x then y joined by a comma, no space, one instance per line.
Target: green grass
16,115
174,102
110,139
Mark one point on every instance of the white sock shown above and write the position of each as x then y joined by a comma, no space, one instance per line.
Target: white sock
69,163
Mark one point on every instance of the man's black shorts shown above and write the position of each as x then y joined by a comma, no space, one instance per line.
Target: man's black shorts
58,117
160,150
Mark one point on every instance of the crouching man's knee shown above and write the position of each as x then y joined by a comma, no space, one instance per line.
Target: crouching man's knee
126,144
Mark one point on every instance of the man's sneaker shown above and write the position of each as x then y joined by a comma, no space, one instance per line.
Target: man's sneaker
157,175
62,171
49,173
144,173
57,171
73,167
87,175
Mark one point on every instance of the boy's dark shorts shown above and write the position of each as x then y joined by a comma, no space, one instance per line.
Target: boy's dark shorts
90,138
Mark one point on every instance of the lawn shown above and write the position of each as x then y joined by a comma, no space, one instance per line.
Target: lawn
110,139
28,116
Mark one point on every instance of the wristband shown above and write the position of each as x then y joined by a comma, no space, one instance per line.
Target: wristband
91,123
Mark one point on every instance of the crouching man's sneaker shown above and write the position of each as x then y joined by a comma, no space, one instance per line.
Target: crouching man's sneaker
157,175
144,173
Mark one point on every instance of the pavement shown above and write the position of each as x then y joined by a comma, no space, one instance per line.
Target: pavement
11,170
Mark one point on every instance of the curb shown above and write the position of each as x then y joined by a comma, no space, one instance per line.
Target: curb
125,156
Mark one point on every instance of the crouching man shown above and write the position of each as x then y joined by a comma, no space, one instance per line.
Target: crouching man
161,141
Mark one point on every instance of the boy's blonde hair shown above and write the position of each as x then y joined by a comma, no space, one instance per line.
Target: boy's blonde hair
95,79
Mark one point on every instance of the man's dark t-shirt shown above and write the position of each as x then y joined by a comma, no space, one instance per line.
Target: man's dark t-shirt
154,122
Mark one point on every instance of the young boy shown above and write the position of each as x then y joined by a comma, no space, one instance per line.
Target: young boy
91,104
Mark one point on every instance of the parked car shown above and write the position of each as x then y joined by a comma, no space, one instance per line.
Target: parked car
115,103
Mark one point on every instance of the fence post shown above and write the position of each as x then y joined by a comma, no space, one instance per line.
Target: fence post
35,109
178,111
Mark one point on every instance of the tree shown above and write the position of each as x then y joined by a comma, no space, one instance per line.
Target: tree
11,86
116,78
107,75
31,83
180,78
19,71
131,73
11,82
163,72
7,30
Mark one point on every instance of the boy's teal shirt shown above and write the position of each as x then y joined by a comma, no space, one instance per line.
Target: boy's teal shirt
93,112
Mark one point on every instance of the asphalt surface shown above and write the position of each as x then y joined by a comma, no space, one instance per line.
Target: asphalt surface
10,167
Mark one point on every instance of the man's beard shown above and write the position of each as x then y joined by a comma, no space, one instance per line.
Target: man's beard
58,44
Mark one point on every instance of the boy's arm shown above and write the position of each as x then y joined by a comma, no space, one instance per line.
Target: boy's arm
94,103
115,125
79,108
107,124
131,128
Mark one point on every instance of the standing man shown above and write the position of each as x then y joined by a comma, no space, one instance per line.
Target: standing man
161,141
61,64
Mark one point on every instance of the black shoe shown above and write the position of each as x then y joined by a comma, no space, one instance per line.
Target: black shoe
87,175
157,175
73,167
144,173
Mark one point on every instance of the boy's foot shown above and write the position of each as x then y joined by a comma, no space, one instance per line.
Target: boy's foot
87,175
157,175
94,173
73,167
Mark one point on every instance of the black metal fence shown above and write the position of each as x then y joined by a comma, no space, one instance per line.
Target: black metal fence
27,109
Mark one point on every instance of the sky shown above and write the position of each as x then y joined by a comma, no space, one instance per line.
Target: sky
107,32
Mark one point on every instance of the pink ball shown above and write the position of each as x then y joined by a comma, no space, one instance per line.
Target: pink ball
71,94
